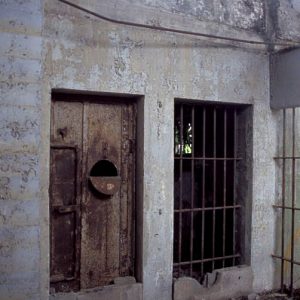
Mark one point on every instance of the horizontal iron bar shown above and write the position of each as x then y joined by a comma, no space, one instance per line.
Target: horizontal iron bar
207,158
64,209
60,277
286,207
205,260
64,146
287,157
287,259
207,208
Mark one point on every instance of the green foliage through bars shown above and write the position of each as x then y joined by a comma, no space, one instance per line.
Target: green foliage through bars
186,144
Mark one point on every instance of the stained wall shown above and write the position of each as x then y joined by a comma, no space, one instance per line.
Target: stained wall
48,45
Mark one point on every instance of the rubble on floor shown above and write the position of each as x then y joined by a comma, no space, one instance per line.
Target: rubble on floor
272,295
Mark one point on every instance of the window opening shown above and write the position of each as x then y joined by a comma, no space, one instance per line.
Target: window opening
288,245
206,207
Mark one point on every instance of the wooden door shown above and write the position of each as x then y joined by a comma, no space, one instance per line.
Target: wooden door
91,191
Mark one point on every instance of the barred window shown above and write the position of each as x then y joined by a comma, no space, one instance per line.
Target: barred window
211,161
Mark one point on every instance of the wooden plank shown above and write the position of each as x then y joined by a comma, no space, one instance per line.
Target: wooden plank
66,131
100,226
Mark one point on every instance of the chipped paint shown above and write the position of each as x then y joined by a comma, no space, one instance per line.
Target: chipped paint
47,45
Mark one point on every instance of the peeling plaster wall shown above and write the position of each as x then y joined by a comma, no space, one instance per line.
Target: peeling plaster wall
21,48
79,52
87,54
288,19
243,14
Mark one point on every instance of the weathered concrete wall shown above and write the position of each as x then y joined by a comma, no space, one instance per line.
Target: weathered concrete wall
87,54
21,24
243,14
80,52
287,19
263,216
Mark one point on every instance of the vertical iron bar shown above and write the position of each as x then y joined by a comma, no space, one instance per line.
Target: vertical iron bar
214,187
234,180
283,201
203,189
293,203
180,180
85,114
224,184
192,200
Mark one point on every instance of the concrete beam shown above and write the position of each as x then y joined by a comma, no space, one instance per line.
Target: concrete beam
284,77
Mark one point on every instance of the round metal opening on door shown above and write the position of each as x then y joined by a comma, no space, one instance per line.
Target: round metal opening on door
104,177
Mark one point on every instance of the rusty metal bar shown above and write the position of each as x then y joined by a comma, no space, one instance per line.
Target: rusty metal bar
62,146
207,260
208,208
211,226
180,180
192,195
209,158
224,185
286,259
293,205
203,186
286,207
283,206
61,277
283,201
287,157
84,161
214,184
65,209
234,180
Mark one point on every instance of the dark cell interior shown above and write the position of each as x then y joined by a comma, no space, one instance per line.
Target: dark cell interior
205,208
104,168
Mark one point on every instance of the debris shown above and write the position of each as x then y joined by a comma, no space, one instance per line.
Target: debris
253,296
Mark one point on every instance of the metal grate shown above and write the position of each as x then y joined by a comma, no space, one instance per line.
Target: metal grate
206,209
288,163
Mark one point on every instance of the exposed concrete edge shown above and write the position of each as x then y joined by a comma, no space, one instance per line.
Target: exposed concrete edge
220,284
284,79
